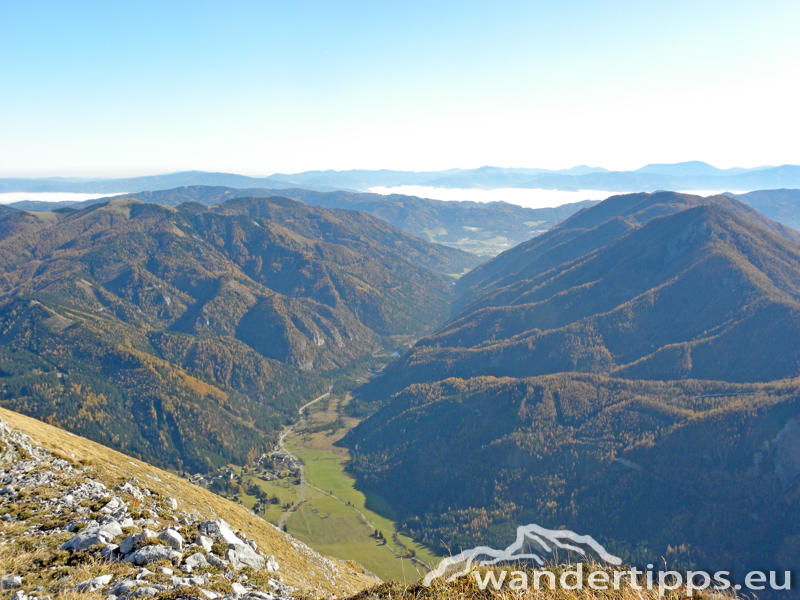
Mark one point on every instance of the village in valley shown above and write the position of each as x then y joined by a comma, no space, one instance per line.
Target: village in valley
278,468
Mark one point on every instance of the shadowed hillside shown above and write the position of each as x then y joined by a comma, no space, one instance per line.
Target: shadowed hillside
631,375
701,473
679,297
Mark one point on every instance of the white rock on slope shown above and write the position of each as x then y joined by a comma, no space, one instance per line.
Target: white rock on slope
94,584
151,554
173,538
24,464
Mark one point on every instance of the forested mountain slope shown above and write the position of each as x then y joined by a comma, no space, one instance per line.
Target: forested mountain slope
593,228
188,335
631,375
700,475
680,297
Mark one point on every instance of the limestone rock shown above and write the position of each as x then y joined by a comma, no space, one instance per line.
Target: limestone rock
151,554
173,538
94,584
242,555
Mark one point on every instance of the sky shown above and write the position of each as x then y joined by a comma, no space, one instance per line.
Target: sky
111,89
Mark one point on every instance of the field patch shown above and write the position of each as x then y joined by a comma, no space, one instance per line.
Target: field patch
334,517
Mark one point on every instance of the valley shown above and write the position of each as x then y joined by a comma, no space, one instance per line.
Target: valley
334,518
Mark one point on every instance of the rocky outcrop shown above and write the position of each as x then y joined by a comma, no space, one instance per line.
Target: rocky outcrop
242,555
157,549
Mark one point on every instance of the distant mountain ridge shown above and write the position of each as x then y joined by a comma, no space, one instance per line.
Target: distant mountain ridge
474,226
139,184
483,228
694,168
779,205
692,175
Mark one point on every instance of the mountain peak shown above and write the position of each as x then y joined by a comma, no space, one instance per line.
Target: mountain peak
691,168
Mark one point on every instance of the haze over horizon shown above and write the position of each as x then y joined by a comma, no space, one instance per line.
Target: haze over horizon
266,174
117,90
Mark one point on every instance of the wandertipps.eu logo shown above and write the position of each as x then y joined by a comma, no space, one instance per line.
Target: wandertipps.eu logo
531,543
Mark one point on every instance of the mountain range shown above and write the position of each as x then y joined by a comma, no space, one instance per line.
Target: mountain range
632,374
138,184
692,175
484,228
314,180
682,176
189,335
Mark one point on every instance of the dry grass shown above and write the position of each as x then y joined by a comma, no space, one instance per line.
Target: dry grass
467,588
41,563
299,567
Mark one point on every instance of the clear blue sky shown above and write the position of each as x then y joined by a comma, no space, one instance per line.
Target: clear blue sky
124,88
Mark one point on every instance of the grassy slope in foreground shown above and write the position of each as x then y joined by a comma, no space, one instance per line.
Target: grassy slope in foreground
300,566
